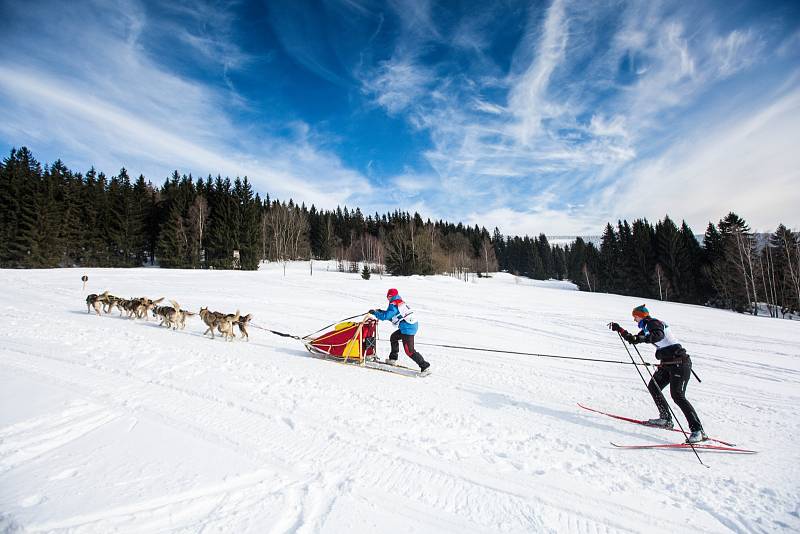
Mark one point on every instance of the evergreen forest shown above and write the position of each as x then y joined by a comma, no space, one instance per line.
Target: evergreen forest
51,216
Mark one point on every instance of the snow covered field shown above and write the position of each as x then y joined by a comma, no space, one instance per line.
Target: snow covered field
109,424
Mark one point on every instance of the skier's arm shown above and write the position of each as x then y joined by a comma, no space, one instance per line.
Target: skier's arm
656,332
387,314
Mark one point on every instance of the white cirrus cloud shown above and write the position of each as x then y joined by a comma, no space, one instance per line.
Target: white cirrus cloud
90,93
545,129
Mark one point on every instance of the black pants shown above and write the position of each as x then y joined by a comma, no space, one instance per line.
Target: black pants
408,346
677,376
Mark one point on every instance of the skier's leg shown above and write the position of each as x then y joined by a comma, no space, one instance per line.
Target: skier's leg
408,345
657,383
679,378
394,341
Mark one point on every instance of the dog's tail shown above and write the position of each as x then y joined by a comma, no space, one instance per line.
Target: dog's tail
157,301
236,317
176,305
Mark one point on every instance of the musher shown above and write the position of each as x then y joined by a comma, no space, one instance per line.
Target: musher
401,315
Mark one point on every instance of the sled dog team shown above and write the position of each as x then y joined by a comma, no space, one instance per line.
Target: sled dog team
171,316
674,364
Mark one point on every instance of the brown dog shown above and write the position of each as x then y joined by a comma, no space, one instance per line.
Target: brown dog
95,301
242,323
222,322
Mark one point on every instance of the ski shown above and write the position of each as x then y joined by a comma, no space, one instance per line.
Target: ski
644,423
375,365
699,446
400,370
380,365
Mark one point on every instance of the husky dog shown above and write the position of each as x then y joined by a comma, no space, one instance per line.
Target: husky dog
95,301
222,322
105,299
210,319
225,326
112,302
126,305
242,324
131,306
162,312
182,315
170,315
146,305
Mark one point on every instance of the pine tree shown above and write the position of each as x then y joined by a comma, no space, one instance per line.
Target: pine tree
628,251
733,275
22,176
545,255
173,241
72,228
672,257
641,264
248,219
141,220
694,285
611,261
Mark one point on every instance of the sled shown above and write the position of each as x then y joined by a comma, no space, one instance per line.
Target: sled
348,341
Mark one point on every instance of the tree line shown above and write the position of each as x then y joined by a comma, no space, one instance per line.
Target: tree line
733,268
53,217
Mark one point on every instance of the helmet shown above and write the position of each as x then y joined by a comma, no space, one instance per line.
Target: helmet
640,311
391,293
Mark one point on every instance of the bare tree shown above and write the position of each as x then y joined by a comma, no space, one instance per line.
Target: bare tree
489,257
285,234
659,276
198,219
585,271
792,257
744,247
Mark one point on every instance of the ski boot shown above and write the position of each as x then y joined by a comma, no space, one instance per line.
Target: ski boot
660,422
424,367
696,436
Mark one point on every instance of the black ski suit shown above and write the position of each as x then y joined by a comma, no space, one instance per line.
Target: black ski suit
675,369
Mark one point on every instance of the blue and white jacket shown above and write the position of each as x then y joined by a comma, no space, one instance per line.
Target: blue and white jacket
400,314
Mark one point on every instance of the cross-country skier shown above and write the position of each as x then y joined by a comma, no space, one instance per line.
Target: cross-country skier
674,368
401,315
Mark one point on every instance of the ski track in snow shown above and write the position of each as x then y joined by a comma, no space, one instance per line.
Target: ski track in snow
114,425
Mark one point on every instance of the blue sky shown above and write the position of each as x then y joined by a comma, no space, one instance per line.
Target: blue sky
552,116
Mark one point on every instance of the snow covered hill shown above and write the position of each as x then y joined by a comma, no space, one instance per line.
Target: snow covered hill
109,424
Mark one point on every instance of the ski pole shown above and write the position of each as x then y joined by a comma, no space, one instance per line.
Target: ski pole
671,411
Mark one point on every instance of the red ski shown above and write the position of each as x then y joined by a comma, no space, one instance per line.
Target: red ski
644,423
698,446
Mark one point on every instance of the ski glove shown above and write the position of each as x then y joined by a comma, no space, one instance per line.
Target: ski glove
371,312
617,328
632,339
